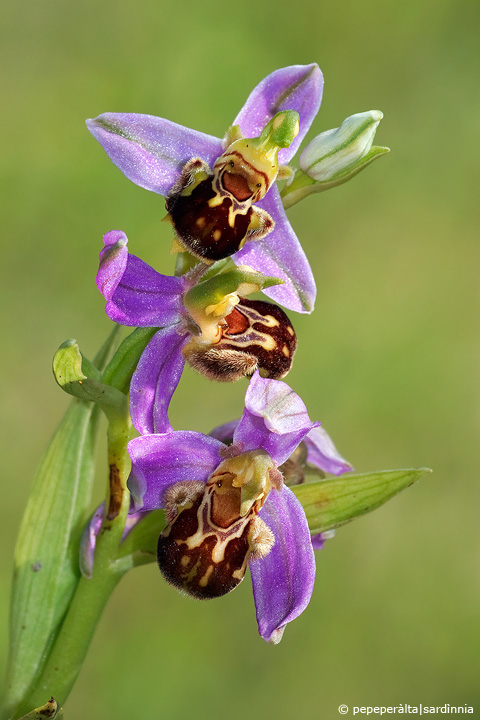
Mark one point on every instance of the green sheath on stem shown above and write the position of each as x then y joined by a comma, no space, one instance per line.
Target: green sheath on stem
46,556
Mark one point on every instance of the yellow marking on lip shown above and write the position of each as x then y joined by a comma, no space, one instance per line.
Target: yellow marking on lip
217,235
290,330
185,560
286,351
200,222
269,321
266,341
203,582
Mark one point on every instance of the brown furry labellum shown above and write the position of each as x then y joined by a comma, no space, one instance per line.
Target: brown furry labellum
212,212
205,549
256,334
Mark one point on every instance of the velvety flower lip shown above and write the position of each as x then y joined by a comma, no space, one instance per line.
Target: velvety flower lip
152,151
283,579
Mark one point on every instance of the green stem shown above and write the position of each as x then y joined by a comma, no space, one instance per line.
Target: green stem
297,189
73,640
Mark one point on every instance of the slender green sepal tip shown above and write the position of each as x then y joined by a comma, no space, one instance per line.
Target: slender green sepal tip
334,502
282,129
77,376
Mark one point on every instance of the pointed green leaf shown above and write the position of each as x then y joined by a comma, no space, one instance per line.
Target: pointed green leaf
334,502
46,556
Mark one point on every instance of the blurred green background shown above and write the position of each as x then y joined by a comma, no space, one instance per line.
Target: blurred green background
388,362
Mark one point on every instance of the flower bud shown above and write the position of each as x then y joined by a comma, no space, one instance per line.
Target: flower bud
335,151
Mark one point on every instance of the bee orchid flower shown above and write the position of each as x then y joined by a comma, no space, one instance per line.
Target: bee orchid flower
227,507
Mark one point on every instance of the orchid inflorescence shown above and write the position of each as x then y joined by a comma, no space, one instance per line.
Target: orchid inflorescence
226,507
205,506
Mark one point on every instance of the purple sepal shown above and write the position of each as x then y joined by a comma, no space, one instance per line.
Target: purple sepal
158,461
283,580
90,533
155,380
275,419
136,294
151,151
280,254
318,540
298,87
322,453
88,540
113,261
225,432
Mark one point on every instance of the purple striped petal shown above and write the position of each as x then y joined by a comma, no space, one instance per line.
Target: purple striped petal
298,87
275,419
322,453
155,380
280,254
149,150
136,294
283,580
158,461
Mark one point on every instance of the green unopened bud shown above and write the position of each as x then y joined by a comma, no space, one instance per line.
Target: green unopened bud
335,156
80,378
334,151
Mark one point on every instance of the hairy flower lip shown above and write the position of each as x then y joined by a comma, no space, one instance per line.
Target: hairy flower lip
152,151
